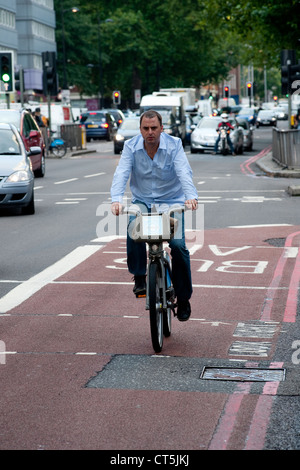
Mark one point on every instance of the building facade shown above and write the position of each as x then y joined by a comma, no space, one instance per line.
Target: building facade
27,28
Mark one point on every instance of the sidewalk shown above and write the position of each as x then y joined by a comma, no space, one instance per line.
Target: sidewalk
271,168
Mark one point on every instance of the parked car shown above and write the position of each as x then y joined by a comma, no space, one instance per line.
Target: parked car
30,133
16,175
117,114
248,133
205,135
249,114
266,117
98,125
129,128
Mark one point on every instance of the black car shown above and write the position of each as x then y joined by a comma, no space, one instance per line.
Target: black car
98,125
117,114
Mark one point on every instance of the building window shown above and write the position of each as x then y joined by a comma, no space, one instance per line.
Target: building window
43,31
44,3
7,18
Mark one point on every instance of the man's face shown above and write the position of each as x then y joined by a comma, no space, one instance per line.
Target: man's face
151,130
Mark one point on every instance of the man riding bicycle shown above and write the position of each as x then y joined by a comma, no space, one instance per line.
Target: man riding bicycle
160,175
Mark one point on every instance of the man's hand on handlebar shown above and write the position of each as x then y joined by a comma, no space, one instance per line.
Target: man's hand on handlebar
117,208
191,204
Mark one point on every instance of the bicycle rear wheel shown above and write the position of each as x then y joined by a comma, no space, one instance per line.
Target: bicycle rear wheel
155,308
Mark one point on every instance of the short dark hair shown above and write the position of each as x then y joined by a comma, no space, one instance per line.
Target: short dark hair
151,113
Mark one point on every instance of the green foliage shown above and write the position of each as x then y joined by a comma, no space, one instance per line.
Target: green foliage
171,43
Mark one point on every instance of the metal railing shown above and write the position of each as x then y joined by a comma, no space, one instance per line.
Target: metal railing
72,134
286,148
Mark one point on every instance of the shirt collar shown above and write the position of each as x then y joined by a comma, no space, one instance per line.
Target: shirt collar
162,142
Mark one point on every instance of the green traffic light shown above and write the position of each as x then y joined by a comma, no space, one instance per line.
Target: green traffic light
5,77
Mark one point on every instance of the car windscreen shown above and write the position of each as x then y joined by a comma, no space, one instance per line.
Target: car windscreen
93,117
9,144
242,123
208,123
10,117
130,124
266,113
246,111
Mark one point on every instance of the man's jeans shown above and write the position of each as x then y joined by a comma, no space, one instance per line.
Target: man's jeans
181,267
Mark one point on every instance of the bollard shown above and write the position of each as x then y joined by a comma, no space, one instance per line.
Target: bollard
83,137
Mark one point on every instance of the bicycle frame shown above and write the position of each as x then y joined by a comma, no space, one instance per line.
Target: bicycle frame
158,256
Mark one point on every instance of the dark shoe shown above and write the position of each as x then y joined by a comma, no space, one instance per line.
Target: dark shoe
139,285
183,310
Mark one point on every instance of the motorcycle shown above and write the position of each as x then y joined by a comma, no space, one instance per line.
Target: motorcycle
224,147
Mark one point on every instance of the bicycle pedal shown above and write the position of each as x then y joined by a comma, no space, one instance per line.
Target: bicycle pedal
139,296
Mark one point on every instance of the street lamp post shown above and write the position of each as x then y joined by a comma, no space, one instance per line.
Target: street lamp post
101,88
63,11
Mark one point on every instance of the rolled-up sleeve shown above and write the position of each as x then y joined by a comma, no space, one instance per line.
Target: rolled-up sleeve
121,175
184,173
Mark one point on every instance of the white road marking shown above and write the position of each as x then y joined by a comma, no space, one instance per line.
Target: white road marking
25,290
95,174
66,181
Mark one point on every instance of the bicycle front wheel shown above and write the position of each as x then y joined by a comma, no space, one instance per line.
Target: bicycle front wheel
155,308
59,151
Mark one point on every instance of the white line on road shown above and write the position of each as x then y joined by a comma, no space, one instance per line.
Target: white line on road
66,181
25,290
95,174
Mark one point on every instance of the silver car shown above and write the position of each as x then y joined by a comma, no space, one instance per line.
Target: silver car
248,133
129,128
205,135
16,176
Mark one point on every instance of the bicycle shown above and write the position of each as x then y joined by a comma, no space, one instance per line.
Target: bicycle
57,146
154,229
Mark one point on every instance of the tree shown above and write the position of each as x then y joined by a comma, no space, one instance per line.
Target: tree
170,43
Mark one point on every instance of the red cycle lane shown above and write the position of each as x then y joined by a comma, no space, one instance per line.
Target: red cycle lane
80,372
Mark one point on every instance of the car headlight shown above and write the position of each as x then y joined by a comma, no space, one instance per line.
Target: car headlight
19,176
119,137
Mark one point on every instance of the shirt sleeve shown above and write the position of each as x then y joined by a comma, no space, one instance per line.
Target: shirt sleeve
184,173
121,175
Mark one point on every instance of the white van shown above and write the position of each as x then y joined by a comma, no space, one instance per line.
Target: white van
171,109
60,114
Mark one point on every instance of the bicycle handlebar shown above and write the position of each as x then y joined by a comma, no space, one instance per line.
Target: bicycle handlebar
136,210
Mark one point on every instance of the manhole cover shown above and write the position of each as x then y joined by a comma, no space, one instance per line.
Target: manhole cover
243,374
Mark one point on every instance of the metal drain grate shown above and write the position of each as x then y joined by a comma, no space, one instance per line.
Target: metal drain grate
243,374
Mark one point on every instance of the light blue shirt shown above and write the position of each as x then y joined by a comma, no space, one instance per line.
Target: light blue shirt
167,179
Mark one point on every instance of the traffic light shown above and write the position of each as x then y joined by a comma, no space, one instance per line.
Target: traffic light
295,76
285,79
6,71
226,91
117,97
249,88
19,79
50,85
